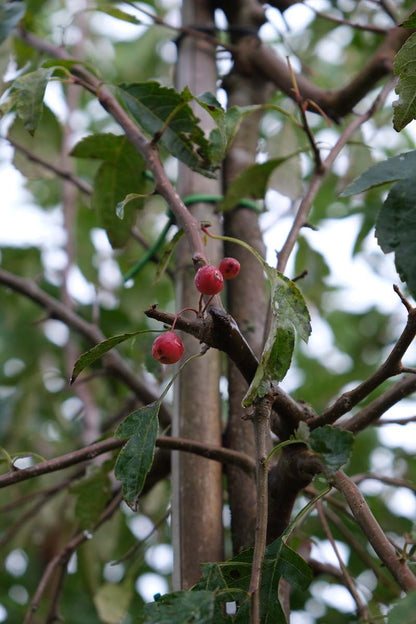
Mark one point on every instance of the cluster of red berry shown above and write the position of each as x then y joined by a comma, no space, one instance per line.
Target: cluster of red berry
209,280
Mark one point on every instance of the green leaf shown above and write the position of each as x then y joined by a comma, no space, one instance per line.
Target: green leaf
112,601
231,580
332,445
288,312
120,177
181,607
96,352
10,15
30,91
227,124
98,146
396,230
404,109
404,611
121,205
93,493
166,115
121,15
391,170
410,22
136,457
252,183
112,181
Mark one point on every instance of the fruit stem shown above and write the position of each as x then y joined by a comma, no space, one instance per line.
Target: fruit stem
179,313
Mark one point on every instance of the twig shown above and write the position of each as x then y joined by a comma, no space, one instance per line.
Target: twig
391,366
349,583
145,147
261,433
61,173
91,332
301,219
375,535
370,414
61,559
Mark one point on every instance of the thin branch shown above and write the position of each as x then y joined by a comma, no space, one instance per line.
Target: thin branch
92,333
145,147
61,173
305,207
391,366
87,453
61,559
375,535
371,413
349,583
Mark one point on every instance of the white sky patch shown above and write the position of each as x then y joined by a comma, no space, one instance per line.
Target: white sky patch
149,584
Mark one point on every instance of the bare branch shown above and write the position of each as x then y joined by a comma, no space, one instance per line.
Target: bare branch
391,366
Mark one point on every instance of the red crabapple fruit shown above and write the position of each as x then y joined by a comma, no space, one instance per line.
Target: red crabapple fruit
167,348
209,280
230,268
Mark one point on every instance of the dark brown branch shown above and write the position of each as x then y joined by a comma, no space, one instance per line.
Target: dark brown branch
370,414
391,367
254,58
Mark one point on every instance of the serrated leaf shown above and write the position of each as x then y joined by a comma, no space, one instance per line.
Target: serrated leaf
332,445
231,580
391,170
112,601
404,109
93,493
288,312
227,124
166,115
136,457
396,229
404,611
30,89
96,352
181,607
10,15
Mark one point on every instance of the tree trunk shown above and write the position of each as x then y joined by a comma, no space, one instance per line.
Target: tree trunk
196,482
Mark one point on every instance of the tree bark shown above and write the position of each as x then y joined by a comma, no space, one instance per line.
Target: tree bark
196,482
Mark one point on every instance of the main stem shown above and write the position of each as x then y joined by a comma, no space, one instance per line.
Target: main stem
261,434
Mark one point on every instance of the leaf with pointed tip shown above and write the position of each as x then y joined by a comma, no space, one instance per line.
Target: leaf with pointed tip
30,91
289,312
166,116
404,109
91,356
391,170
396,230
136,457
